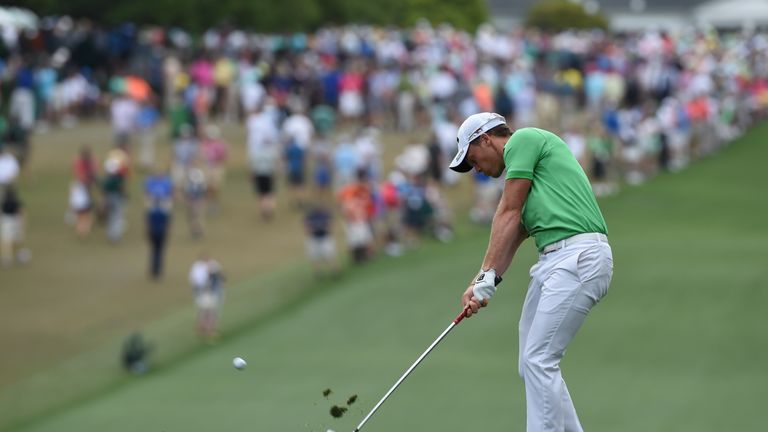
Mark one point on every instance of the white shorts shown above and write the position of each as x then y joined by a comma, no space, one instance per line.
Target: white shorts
632,154
322,248
10,229
207,301
351,104
358,234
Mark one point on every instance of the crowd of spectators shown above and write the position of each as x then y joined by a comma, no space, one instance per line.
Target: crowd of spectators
314,107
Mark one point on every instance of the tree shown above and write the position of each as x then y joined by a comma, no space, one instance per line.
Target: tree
266,15
556,15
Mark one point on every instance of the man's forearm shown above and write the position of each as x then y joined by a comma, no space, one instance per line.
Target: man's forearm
506,236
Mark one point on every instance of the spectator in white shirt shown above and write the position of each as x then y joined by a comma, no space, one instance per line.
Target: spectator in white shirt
124,112
9,167
263,140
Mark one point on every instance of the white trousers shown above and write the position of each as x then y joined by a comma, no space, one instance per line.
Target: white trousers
565,285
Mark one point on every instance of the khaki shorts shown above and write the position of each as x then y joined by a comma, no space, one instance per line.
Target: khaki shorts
215,176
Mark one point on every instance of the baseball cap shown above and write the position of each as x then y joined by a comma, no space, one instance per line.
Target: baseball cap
474,126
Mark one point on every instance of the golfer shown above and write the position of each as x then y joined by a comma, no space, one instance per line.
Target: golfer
546,196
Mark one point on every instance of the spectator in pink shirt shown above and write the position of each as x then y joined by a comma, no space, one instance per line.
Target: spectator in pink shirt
351,102
214,151
201,72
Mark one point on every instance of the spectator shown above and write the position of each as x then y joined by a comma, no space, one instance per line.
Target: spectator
179,115
417,210
487,195
158,195
12,229
368,150
81,206
85,169
436,162
357,205
146,121
22,111
445,131
114,189
295,164
158,220
323,168
320,245
263,154
207,281
389,193
351,104
45,84
298,133
158,189
9,167
135,352
601,147
345,161
442,216
224,74
195,189
185,153
574,136
201,72
214,152
125,112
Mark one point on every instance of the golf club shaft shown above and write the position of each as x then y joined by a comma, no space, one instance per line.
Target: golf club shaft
453,324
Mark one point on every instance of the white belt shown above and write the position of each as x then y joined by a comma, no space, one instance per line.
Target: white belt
573,239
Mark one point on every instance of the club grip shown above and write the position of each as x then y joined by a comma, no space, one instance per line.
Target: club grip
461,316
463,313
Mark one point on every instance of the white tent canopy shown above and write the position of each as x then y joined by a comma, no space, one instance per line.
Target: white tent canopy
733,13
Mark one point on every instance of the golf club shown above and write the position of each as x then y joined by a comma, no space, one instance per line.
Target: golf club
453,324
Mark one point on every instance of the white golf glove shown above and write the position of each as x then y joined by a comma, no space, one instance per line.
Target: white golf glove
485,285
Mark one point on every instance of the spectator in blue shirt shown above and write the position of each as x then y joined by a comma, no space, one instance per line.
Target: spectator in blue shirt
158,190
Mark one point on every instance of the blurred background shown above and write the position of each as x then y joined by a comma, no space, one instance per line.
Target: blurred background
182,183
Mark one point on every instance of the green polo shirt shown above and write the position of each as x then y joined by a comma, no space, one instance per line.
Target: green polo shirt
560,203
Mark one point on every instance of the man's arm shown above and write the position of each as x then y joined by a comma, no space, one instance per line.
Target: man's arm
507,233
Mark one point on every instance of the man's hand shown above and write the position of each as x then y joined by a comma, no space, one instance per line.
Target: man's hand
478,293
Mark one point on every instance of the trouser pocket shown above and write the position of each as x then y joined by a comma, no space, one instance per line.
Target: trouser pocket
595,270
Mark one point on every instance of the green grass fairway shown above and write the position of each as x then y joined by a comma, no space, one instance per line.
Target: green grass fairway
678,345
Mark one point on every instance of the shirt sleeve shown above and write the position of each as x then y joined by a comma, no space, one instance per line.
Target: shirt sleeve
522,153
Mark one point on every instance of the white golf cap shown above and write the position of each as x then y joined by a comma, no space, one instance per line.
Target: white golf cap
474,126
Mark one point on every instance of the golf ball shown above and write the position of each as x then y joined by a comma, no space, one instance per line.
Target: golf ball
238,363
